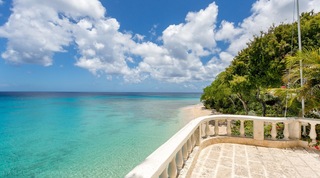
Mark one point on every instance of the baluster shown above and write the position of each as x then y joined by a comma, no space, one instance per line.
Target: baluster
216,127
172,170
241,128
304,130
164,174
197,136
207,129
203,130
179,160
185,152
313,134
193,142
189,146
286,131
274,131
229,127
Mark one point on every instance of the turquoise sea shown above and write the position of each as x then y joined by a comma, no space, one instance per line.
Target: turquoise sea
84,134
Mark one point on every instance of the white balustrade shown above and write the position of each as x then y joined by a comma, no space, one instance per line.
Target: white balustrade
172,169
313,133
169,159
185,152
164,173
189,146
304,129
274,131
193,142
229,127
286,131
207,129
241,128
216,127
179,160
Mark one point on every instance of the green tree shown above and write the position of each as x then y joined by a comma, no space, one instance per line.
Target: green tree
311,76
244,85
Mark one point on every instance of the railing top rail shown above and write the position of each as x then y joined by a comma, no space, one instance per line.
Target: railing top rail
155,163
308,120
245,117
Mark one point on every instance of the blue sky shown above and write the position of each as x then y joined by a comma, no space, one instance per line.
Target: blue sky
118,45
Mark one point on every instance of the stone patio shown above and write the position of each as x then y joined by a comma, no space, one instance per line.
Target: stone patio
234,160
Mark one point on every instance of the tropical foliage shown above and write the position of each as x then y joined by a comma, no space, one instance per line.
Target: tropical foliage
263,77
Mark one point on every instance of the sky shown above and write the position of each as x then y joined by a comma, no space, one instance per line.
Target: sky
129,46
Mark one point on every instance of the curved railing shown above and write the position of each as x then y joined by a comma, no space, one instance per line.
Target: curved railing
169,158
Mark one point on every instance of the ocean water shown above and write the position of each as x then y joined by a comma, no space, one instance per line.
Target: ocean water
84,134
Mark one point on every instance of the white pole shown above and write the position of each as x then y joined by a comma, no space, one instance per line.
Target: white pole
300,48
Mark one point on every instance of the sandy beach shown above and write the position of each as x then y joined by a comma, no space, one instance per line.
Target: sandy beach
194,111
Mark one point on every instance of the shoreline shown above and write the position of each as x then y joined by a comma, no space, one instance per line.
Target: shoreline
191,112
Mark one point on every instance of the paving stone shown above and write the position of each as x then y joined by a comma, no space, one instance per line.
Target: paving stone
211,163
195,175
206,172
256,158
274,166
227,153
263,149
258,176
218,161
214,156
314,165
296,161
216,148
266,157
256,168
241,171
305,171
240,160
285,162
241,153
290,172
228,146
224,172
274,174
226,161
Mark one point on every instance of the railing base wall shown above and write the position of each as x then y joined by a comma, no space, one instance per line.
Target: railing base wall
190,163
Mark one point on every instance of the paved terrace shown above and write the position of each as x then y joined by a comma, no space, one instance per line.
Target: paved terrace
206,149
235,160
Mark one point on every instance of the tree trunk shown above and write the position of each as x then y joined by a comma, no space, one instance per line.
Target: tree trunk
244,104
261,101
234,105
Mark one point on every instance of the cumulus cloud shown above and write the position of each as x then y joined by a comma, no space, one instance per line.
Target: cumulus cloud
265,13
34,34
36,30
102,47
195,36
179,58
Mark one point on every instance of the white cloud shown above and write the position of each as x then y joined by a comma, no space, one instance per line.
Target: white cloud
34,34
178,59
1,2
227,32
195,36
138,37
38,29
265,13
102,47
